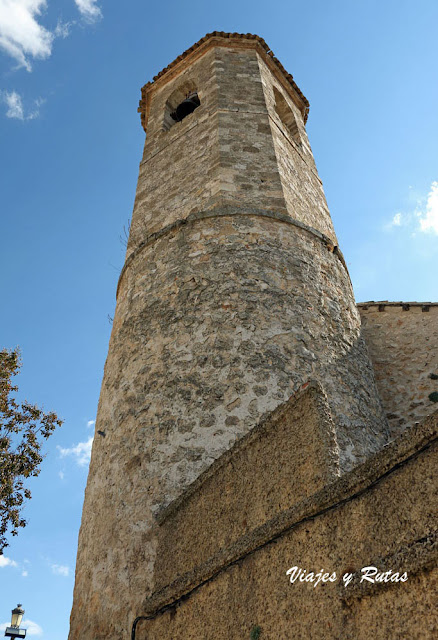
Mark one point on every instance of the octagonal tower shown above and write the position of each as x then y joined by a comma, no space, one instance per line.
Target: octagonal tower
233,295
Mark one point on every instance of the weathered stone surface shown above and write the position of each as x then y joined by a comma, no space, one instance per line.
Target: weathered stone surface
302,188
233,149
232,296
383,513
402,342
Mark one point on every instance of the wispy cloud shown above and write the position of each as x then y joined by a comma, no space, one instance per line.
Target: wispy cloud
91,423
25,39
81,451
89,10
7,562
421,215
395,222
15,105
60,570
429,218
32,628
21,34
15,108
61,474
62,29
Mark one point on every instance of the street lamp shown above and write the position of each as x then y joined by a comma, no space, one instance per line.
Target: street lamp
14,630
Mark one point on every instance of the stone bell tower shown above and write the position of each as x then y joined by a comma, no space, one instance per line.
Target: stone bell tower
233,295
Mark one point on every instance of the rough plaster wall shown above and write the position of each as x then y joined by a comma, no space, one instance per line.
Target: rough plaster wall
251,595
382,514
302,187
403,349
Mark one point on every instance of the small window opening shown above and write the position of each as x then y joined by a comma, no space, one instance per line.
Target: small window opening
287,117
186,107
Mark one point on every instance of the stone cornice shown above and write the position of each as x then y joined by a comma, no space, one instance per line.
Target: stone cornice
222,39
219,212
384,304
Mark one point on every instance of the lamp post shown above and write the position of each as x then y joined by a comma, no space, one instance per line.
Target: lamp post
14,630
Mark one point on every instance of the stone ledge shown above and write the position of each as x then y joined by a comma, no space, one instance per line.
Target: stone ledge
383,304
223,211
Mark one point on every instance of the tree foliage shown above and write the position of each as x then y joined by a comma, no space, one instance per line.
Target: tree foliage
23,428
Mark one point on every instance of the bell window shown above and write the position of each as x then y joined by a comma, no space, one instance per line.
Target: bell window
180,104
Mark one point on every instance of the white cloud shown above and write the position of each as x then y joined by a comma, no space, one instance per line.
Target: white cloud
7,562
60,570
429,218
398,220
81,451
395,222
15,108
15,105
421,215
33,629
91,423
62,29
24,38
61,474
89,10
21,35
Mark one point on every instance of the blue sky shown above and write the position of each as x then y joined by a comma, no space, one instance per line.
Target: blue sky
71,141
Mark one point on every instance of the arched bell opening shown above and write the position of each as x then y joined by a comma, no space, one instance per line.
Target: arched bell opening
180,104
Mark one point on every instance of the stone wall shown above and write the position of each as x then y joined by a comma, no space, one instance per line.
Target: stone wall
217,322
179,169
402,341
382,514
302,188
232,150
